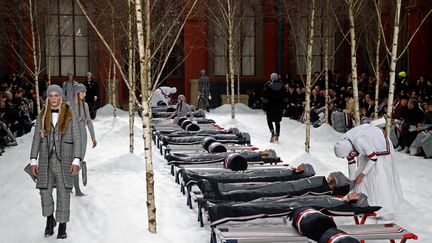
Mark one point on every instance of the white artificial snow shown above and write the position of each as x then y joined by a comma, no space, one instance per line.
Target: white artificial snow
114,209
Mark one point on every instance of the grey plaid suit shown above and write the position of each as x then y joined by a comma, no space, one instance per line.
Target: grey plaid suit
56,153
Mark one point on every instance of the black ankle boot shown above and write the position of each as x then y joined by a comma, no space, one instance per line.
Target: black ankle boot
50,224
62,231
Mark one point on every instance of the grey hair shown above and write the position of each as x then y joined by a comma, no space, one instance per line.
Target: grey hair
274,77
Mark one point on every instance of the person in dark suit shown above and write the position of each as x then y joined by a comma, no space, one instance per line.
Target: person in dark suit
55,158
92,95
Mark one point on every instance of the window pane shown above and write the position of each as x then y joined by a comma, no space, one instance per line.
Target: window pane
66,65
81,46
248,26
80,26
66,6
220,46
66,25
249,46
220,65
248,66
52,25
66,46
81,66
52,45
53,6
54,66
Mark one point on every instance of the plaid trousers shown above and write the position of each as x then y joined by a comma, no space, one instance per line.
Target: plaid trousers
55,177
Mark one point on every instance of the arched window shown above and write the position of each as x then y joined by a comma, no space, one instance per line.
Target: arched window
67,39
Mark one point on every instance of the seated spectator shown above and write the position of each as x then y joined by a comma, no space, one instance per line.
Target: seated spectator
424,133
413,118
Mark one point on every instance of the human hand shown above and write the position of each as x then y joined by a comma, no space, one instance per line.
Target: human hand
94,143
95,98
74,170
34,170
359,179
209,97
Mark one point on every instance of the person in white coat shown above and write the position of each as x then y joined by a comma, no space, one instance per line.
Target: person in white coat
162,95
375,173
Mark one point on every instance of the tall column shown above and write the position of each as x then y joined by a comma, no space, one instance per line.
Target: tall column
195,52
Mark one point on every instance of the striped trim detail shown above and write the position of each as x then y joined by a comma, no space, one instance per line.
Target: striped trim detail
335,238
304,214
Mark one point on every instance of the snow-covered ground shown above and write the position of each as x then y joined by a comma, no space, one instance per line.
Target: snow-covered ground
114,209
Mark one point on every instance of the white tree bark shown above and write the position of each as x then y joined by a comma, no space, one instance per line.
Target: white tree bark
326,61
131,75
377,64
35,54
144,55
110,90
354,75
231,54
114,79
309,76
393,61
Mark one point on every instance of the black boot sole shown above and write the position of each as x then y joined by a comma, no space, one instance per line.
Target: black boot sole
62,236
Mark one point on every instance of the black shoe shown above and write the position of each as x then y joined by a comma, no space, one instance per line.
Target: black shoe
50,224
62,231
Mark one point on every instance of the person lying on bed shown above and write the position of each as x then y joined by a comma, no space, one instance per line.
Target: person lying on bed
284,173
267,156
353,203
334,184
319,227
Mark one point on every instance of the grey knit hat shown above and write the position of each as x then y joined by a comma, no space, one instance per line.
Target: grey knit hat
79,88
181,98
55,88
340,179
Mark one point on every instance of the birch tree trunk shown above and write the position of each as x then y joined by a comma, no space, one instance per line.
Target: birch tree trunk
131,74
35,55
309,76
350,4
109,84
377,65
49,59
114,80
227,88
393,57
144,51
114,91
326,77
231,55
326,61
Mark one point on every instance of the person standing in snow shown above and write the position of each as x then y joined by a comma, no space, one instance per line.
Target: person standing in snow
55,158
204,91
68,87
83,115
375,174
274,99
92,95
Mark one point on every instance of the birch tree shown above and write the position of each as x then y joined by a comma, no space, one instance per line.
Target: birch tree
352,5
393,53
227,17
131,77
309,74
36,52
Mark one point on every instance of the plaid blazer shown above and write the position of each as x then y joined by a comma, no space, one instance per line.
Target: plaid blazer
67,147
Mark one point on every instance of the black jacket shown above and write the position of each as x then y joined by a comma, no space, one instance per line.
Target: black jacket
275,99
